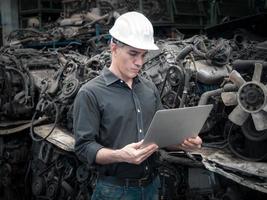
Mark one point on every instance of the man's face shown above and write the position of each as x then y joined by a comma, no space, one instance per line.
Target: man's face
128,60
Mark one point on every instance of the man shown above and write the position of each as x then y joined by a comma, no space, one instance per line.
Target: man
113,111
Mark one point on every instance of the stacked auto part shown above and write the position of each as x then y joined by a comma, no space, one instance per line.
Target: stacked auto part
199,71
37,89
58,174
249,113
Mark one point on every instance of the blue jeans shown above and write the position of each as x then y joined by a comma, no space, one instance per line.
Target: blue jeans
107,191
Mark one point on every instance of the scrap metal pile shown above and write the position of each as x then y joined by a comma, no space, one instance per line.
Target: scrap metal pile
38,86
199,71
232,77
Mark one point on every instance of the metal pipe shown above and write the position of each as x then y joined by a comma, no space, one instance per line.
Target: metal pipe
241,65
205,96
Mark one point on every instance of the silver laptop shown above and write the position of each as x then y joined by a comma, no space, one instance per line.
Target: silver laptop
173,126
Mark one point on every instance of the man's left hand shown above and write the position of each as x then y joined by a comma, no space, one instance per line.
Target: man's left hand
191,144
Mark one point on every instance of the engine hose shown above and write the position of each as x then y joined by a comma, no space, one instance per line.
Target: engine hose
242,65
33,119
186,88
231,147
206,95
164,82
185,52
199,53
176,96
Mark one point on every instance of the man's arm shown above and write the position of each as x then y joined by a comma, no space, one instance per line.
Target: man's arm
86,119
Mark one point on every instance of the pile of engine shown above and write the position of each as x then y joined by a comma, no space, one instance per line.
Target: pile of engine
200,71
37,89
231,75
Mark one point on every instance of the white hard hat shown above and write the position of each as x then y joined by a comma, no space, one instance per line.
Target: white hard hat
134,29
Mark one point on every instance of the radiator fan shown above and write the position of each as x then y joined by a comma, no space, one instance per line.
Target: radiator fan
251,99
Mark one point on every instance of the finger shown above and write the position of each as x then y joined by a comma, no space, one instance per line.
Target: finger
133,155
151,147
147,151
190,146
196,140
136,145
188,143
193,141
139,143
144,156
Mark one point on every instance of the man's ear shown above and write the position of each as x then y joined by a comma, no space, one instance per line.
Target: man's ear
113,47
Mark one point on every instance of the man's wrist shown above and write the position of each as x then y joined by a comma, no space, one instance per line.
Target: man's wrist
108,156
116,154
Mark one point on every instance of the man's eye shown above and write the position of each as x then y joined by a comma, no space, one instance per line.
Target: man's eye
132,54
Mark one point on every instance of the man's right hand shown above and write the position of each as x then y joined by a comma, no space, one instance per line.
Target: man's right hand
135,154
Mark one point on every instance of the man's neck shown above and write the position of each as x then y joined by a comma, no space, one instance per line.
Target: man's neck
128,81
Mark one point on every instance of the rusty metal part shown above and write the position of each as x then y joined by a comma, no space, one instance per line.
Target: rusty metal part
60,137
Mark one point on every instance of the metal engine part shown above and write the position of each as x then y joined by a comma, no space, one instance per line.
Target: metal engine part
39,86
249,114
14,160
57,174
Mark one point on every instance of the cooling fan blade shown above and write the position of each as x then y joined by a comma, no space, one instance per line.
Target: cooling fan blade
265,108
238,116
229,98
257,72
260,120
236,78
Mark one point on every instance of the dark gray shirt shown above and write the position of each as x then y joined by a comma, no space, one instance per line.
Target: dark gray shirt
107,113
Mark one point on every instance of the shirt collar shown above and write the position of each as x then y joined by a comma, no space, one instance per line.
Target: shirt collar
110,78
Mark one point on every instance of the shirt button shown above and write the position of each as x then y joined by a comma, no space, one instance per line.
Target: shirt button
138,110
140,130
121,81
146,167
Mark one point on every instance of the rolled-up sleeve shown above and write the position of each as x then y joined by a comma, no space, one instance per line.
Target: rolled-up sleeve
86,120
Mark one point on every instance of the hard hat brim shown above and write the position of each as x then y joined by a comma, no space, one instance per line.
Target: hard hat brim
137,45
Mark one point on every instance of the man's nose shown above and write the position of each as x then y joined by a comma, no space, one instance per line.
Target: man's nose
139,62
